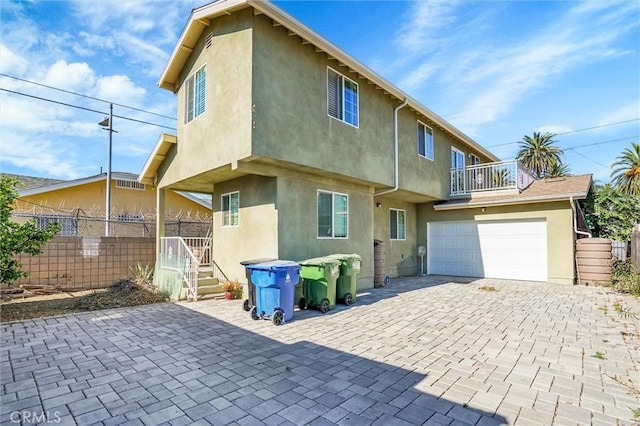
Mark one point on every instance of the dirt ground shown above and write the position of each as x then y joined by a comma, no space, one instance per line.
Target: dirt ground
121,294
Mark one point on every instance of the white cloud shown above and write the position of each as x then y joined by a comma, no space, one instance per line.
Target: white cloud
12,63
120,89
75,76
554,128
624,112
483,78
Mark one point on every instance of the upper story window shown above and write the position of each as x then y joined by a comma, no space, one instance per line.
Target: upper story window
475,159
342,98
195,94
425,141
333,215
230,209
397,224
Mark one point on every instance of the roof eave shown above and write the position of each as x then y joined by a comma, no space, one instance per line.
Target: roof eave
150,170
486,202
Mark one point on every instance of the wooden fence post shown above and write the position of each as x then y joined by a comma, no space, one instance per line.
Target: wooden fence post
635,245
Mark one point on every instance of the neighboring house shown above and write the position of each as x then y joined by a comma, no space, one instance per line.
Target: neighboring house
79,206
308,152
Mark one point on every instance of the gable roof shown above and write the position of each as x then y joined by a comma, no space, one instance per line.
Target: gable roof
200,19
540,191
30,182
35,185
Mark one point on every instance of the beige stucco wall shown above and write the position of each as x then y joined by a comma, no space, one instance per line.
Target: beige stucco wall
560,236
400,255
256,236
222,133
291,120
297,218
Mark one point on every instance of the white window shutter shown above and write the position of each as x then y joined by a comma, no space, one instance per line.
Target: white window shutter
334,94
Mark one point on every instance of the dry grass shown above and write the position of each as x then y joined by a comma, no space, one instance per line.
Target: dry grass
122,293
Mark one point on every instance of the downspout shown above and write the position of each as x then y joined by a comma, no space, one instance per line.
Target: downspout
575,220
395,147
575,229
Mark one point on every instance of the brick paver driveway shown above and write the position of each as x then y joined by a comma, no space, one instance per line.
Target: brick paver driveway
421,351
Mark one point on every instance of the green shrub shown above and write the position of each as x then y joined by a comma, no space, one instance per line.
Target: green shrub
625,277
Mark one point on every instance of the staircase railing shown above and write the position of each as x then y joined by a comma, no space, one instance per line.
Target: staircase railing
175,254
201,248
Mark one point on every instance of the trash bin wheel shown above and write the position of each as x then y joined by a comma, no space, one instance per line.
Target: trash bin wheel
254,313
348,299
302,303
246,306
278,317
324,306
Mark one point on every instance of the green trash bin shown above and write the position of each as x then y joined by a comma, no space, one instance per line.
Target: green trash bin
349,269
319,276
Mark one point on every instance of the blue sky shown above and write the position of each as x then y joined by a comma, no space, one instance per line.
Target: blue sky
497,70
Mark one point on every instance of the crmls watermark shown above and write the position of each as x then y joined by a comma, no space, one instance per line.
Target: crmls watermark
33,417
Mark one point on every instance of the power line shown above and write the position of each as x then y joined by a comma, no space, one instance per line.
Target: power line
573,131
85,108
601,143
86,96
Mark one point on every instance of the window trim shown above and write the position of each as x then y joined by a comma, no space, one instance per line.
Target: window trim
475,158
433,144
342,117
397,225
333,195
458,151
192,80
222,211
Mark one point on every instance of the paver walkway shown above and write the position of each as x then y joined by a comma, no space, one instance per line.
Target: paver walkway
422,351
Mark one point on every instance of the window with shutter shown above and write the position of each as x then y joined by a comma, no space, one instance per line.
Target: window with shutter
342,98
195,93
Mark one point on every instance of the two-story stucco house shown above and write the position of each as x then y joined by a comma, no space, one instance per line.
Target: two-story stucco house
308,152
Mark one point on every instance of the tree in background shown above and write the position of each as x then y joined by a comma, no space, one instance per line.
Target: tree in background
539,154
16,238
612,213
626,177
558,170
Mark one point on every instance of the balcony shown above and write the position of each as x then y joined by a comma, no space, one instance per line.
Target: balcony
490,178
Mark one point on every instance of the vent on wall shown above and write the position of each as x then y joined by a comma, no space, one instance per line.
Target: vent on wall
208,41
129,184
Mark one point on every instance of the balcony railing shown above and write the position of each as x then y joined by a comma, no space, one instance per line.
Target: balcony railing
506,175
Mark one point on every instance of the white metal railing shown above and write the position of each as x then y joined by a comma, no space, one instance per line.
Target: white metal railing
490,177
177,256
201,248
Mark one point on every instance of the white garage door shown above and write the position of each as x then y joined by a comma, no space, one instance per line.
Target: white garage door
502,249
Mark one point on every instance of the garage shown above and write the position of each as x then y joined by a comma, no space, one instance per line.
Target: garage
511,249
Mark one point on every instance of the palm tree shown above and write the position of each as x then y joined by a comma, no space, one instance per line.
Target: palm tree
626,177
539,154
558,170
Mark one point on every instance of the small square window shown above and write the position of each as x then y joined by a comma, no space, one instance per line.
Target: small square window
397,224
230,209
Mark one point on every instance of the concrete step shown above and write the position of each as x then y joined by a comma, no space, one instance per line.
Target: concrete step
208,281
209,289
205,271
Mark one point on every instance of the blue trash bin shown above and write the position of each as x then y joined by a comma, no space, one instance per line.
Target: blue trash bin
250,301
275,284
